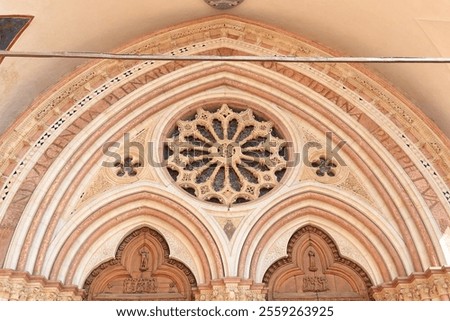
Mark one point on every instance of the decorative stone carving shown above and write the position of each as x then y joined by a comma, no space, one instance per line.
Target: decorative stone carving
229,229
223,4
226,156
229,224
141,285
354,185
324,167
192,35
232,289
312,261
179,251
431,285
144,258
303,274
21,286
348,249
315,284
135,272
127,167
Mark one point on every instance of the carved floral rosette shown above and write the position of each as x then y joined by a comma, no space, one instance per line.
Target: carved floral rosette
226,156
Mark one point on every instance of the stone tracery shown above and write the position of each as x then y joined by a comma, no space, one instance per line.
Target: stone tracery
226,156
324,167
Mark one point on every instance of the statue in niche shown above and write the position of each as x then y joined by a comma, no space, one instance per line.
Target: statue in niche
144,259
312,261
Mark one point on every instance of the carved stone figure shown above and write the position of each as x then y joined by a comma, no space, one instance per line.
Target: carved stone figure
315,284
140,285
312,261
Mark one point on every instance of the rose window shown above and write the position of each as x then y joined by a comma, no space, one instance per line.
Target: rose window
226,156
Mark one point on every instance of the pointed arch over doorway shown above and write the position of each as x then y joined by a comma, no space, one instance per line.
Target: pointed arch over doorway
141,270
315,270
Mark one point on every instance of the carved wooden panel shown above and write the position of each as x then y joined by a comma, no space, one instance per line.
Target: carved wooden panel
141,270
315,270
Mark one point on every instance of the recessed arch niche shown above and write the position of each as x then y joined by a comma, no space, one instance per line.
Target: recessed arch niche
141,270
315,270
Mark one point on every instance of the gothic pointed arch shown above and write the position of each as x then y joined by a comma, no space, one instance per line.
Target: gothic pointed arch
86,164
315,270
141,270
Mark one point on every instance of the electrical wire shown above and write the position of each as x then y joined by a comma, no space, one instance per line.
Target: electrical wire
283,59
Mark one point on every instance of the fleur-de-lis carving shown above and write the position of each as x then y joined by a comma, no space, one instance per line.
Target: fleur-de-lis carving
324,167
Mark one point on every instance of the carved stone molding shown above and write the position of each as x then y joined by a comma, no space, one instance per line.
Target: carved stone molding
21,286
331,244
231,289
223,4
56,121
431,285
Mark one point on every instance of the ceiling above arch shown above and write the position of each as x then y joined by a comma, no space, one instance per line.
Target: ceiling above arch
390,28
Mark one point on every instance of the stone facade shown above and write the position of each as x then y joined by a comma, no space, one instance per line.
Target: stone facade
20,286
337,188
431,285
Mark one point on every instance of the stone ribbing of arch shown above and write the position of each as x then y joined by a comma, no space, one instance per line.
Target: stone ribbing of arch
289,263
176,268
347,96
64,260
145,115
